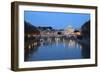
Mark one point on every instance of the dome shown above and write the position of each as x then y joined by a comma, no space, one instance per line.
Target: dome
69,29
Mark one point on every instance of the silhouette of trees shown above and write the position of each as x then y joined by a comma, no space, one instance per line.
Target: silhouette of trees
85,29
30,29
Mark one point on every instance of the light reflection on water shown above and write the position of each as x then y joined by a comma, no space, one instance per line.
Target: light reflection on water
56,49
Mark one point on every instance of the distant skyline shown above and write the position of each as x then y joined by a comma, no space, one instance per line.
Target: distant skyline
56,20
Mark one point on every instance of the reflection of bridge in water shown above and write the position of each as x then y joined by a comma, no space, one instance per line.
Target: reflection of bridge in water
50,39
44,39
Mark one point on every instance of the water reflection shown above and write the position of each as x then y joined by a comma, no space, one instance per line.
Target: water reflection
55,49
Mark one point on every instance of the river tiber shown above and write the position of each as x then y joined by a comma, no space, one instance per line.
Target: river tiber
42,43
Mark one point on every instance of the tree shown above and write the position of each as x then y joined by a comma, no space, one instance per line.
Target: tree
85,29
30,29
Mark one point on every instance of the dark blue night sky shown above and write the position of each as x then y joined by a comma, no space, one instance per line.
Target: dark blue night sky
57,20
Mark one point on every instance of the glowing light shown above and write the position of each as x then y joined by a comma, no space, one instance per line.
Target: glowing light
29,35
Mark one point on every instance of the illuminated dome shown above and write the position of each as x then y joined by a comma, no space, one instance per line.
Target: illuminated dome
69,29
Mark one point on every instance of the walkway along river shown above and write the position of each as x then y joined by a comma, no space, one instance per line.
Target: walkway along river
59,48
